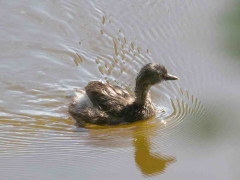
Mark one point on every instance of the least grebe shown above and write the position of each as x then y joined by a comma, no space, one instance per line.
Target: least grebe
105,104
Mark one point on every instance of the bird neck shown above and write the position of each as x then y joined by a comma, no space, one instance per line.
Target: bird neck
142,93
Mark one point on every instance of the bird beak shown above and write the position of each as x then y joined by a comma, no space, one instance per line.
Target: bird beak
170,77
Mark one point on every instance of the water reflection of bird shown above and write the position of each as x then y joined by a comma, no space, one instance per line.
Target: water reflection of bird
149,163
140,133
106,104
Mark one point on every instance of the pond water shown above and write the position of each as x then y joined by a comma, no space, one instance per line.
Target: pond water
50,47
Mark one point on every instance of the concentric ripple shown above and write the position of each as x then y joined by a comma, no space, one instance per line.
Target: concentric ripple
118,64
51,47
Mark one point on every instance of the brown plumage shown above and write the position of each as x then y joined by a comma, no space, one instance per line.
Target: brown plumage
106,104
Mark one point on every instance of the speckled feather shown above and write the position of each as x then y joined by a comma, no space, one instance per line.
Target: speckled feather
110,105
109,98
106,104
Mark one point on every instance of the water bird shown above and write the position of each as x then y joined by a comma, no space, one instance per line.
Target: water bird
106,104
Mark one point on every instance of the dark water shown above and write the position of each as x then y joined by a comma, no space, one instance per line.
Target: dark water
50,47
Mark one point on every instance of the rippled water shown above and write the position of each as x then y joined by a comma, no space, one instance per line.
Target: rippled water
50,47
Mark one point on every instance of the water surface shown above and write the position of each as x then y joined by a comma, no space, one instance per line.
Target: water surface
50,47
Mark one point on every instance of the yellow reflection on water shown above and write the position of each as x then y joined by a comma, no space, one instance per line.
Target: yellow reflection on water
148,163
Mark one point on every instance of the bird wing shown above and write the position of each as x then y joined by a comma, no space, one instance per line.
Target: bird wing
107,97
